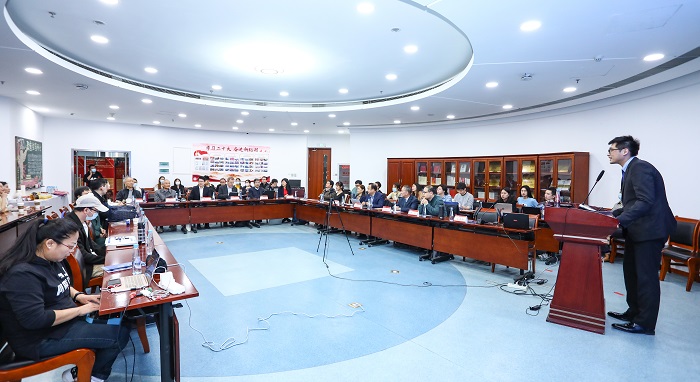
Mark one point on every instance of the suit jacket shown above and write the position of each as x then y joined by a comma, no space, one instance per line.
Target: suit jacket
224,191
194,195
406,204
645,214
123,194
254,193
377,200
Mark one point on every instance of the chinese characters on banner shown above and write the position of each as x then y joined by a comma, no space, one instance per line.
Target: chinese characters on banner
28,163
221,161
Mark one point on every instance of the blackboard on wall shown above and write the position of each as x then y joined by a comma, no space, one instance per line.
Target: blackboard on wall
28,163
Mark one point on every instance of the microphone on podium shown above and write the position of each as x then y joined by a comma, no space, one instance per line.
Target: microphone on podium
584,205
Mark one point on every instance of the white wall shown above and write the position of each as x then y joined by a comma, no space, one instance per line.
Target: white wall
16,120
149,145
664,118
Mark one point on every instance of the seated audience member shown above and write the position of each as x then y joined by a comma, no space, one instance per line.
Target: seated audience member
246,187
443,193
273,186
179,188
417,191
507,196
197,193
160,196
362,195
256,191
526,198
38,307
407,201
550,197
431,201
222,182
379,187
339,192
238,184
95,224
264,185
80,191
353,192
395,192
463,197
375,197
91,175
328,192
136,185
4,192
86,209
128,192
282,191
159,184
99,188
224,192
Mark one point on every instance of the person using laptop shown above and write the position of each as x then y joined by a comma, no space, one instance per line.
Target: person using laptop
506,196
463,197
41,314
407,201
526,198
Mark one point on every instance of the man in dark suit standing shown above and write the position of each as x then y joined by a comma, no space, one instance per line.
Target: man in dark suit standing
646,221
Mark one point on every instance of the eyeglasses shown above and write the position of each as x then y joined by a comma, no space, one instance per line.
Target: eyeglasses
68,246
610,150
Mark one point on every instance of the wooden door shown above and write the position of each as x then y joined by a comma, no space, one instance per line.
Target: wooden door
393,172
408,173
319,170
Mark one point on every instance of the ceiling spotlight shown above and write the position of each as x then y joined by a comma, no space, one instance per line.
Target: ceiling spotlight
114,107
182,115
491,84
569,89
33,71
450,116
341,131
507,107
150,70
331,115
294,123
110,118
146,100
198,125
33,92
234,128
343,91
346,123
244,113
391,76
239,121
99,39
216,87
284,94
110,2
156,122
365,8
306,131
397,121
415,108
410,49
270,129
654,57
530,26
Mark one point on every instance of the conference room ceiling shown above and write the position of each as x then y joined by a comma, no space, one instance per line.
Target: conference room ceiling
253,66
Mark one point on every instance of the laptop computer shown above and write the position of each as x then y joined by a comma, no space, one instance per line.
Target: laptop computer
270,194
516,221
532,210
144,279
451,205
503,208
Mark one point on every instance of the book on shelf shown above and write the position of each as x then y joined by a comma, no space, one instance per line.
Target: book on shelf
462,167
450,180
422,179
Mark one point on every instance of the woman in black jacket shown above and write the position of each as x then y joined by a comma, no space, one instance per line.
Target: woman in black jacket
179,188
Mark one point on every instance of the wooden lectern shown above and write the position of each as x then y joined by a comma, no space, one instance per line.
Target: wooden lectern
578,297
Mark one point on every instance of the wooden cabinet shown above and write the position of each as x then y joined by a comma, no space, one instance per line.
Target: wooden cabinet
486,176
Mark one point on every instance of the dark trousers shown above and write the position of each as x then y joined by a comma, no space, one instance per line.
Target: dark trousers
641,271
101,338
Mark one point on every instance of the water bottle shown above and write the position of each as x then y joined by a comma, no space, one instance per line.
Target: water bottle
558,195
441,212
149,243
452,214
136,261
393,208
141,230
421,210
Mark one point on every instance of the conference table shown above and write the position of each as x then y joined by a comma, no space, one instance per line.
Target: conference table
13,224
118,303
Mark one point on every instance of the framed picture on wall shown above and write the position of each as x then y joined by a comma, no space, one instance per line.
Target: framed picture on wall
28,163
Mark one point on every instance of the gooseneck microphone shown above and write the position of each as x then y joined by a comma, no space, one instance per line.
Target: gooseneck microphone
594,184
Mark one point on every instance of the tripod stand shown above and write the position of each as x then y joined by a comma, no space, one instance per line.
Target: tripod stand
325,231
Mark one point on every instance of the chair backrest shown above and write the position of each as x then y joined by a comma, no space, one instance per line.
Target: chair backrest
486,216
76,267
534,220
686,234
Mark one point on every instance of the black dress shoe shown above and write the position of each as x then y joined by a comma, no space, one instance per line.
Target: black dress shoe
621,316
194,229
255,224
631,327
184,230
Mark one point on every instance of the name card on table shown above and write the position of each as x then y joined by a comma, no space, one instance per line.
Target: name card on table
412,212
357,205
461,218
234,198
170,200
263,197
141,200
336,202
289,196
386,209
205,198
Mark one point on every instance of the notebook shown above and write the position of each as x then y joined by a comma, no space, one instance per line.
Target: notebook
144,279
120,241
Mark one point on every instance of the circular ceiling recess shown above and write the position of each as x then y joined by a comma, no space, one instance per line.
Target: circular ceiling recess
247,53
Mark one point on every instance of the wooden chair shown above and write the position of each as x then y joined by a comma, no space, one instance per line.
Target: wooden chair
682,250
13,369
617,247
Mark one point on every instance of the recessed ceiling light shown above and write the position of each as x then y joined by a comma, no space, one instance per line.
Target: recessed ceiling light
234,128
33,71
156,122
110,2
33,92
415,108
507,107
244,113
150,70
41,109
182,115
114,107
530,26
306,131
111,118
216,87
450,116
239,121
410,49
654,57
391,76
365,8
270,129
146,100
331,115
284,94
270,70
99,39
343,91
294,123
346,123
569,89
198,125
491,84
397,121
341,131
